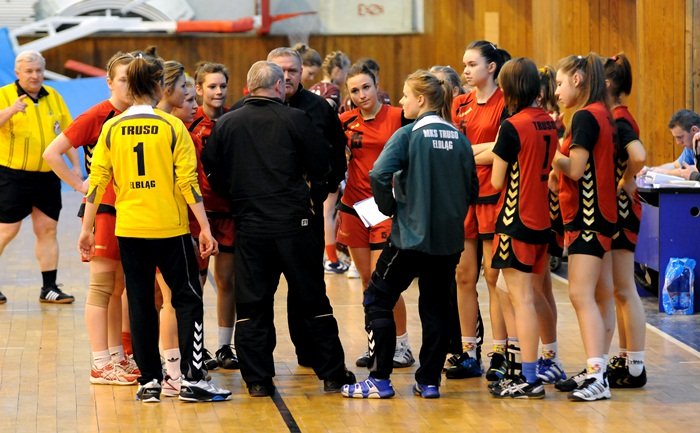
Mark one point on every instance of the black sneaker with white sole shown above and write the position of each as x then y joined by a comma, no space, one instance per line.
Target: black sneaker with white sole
519,388
572,383
210,362
226,357
201,390
54,295
3,298
149,392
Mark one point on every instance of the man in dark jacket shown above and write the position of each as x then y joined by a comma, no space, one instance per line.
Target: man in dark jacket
261,156
328,125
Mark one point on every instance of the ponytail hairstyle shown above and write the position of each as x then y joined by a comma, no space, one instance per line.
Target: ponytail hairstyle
491,53
450,76
436,92
145,75
520,82
590,69
592,85
618,73
335,59
309,56
548,85
172,71
360,68
118,59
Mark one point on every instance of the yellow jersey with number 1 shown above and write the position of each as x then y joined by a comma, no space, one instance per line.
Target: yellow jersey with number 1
154,164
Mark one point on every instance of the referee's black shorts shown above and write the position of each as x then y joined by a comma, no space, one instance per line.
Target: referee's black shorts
21,190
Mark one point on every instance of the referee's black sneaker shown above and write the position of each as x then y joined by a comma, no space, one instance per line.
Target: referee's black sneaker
3,298
54,295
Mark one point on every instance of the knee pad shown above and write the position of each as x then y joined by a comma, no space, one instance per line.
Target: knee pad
101,289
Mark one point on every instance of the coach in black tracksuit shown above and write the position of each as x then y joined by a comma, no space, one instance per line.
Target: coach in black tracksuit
327,123
261,156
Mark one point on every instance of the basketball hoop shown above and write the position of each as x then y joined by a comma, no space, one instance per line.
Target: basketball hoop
297,26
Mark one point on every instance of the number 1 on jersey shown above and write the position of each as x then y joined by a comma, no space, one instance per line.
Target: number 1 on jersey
139,159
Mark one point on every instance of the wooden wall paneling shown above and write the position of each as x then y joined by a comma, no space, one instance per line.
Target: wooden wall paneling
662,83
692,15
546,31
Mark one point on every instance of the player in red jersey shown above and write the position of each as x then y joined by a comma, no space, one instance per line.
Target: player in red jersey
383,96
549,366
587,196
335,70
626,370
103,305
478,115
211,85
523,157
368,127
311,63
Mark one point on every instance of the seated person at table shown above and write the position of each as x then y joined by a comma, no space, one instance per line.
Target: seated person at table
685,128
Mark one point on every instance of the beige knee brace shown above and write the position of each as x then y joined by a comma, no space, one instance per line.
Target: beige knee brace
101,288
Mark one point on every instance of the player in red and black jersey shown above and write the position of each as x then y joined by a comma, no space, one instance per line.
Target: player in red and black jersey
549,366
478,114
523,152
106,275
367,128
211,85
587,195
627,369
335,70
383,96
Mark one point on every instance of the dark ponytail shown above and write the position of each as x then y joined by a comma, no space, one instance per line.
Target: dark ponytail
491,53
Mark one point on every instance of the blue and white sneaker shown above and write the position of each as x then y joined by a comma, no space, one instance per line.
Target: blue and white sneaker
426,391
550,371
202,390
369,388
465,367
338,267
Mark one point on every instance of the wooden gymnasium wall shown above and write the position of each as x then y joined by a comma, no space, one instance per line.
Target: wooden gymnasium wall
657,36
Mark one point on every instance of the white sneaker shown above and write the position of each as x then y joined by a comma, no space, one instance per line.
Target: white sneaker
403,357
202,391
591,389
352,271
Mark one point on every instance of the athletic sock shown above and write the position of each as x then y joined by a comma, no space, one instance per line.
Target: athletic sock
225,335
550,351
49,278
402,339
101,358
635,363
126,343
117,352
529,371
331,253
172,362
469,346
499,346
595,367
